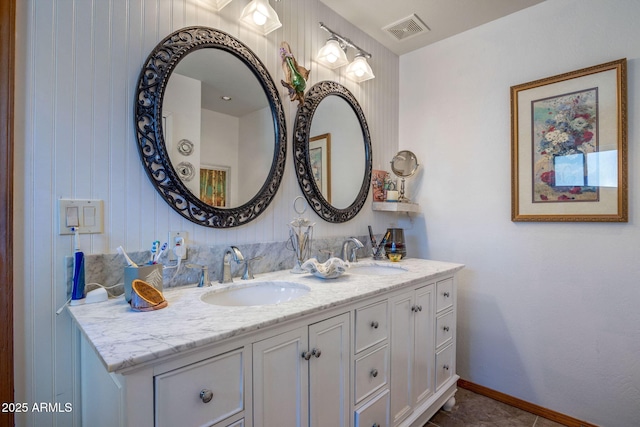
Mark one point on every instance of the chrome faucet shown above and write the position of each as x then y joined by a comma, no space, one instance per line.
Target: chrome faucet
225,270
204,274
345,249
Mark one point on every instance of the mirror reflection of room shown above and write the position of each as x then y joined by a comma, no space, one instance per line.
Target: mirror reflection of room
335,117
214,101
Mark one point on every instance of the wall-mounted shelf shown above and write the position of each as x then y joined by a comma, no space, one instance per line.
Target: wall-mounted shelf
395,207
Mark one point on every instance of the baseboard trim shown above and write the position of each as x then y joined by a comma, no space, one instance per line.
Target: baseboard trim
524,405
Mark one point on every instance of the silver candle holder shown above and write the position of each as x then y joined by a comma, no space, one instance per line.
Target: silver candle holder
300,236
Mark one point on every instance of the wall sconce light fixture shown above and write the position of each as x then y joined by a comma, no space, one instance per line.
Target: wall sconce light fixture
260,16
217,5
333,55
359,70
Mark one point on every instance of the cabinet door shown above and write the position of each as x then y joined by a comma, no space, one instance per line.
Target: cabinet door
329,372
281,381
402,333
423,346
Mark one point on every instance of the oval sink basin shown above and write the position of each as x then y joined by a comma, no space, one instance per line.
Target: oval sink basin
258,293
376,269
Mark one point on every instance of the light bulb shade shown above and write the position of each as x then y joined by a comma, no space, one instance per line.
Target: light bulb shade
359,70
260,16
331,55
217,5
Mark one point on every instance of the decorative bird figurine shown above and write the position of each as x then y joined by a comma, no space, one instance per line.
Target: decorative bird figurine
295,75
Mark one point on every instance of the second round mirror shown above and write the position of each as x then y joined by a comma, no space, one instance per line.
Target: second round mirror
332,152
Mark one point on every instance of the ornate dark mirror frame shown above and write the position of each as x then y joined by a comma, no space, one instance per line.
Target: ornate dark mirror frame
151,144
304,118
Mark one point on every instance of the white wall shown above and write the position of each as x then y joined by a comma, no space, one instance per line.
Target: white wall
254,146
548,312
78,64
220,136
182,100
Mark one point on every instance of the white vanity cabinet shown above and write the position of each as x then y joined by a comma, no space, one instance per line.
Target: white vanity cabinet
301,377
362,352
423,352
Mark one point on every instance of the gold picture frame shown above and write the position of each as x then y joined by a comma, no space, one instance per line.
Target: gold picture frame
569,146
320,161
214,185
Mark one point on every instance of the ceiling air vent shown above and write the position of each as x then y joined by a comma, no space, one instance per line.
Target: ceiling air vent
406,28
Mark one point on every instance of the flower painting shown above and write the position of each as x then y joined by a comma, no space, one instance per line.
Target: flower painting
565,129
569,146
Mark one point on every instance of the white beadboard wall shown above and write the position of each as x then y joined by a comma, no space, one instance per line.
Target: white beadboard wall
78,65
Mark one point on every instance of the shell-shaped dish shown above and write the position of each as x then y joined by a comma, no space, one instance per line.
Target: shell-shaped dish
144,297
331,269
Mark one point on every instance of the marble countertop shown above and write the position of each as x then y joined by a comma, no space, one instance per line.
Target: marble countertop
124,338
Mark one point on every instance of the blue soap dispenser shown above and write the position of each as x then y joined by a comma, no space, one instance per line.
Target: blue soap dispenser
77,291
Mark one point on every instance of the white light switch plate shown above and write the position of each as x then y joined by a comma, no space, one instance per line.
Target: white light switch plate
86,214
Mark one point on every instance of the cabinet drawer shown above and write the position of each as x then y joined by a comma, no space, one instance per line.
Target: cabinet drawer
444,298
444,366
371,373
178,393
371,325
374,413
444,328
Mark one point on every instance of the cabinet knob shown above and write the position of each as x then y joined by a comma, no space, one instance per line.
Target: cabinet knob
375,425
316,352
419,308
446,328
375,324
374,372
446,294
306,355
206,395
445,367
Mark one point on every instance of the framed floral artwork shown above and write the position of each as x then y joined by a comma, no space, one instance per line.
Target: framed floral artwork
320,161
569,146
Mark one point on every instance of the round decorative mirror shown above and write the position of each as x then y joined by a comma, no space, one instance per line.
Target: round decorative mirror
404,164
332,152
204,94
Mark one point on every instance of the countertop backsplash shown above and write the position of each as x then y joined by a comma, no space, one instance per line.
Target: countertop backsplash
108,269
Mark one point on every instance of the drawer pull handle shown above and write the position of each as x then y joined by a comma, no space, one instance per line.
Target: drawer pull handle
446,328
316,352
375,425
374,372
206,395
445,367
375,324
306,355
446,294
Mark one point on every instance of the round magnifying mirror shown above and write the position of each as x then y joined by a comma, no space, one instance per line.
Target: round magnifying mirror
404,164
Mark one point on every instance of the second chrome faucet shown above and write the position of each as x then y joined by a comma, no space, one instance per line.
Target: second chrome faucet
352,257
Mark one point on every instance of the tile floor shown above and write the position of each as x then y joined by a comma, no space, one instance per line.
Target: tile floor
475,410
